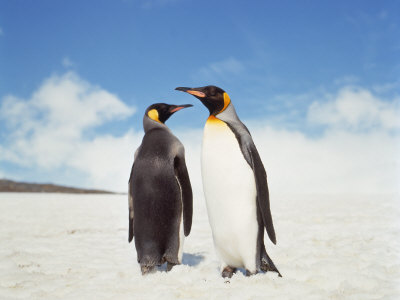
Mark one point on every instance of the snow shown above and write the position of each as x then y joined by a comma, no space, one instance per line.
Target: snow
62,246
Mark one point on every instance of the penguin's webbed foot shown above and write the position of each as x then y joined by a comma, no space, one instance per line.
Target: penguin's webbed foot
170,266
248,273
147,269
228,272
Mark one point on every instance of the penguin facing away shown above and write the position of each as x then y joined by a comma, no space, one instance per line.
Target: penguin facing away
235,187
160,193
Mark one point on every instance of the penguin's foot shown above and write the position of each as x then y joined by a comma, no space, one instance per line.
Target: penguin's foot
170,266
227,272
248,273
147,269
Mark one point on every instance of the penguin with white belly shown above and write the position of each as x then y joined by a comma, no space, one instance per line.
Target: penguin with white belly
235,187
160,193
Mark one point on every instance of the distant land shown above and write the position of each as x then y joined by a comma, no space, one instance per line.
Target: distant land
25,187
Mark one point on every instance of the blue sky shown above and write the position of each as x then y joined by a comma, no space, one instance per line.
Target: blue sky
284,63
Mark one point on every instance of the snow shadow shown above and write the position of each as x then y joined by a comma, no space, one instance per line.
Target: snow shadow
188,259
192,259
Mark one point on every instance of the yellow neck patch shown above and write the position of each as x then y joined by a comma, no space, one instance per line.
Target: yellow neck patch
227,100
213,120
153,114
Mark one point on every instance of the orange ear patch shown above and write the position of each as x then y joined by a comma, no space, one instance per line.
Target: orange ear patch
153,114
227,100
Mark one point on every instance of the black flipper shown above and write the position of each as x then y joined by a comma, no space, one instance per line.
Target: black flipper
130,203
252,157
182,176
263,261
262,190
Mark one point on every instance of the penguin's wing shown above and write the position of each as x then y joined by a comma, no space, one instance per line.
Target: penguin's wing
262,189
130,204
130,198
182,177
252,157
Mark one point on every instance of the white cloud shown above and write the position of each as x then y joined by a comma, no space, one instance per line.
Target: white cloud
387,87
357,153
48,131
338,162
356,109
221,69
67,62
107,159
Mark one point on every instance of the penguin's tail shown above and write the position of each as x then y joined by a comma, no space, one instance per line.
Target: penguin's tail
268,265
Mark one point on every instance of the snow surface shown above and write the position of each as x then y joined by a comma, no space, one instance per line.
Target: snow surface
61,246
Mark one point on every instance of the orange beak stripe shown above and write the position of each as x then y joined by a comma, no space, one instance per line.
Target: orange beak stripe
196,93
176,109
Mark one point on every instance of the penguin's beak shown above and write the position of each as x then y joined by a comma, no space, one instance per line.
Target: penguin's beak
175,108
192,91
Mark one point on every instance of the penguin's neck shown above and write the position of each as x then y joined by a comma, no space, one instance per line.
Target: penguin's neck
149,124
214,120
230,118
228,115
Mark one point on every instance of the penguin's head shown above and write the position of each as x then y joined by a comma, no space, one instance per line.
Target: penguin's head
213,97
160,112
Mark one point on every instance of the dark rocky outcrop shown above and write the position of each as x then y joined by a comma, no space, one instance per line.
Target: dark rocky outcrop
24,187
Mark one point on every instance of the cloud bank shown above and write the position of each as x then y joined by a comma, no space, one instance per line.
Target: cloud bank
53,128
357,150
356,108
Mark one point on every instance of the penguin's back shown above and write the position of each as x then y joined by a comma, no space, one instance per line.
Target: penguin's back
157,196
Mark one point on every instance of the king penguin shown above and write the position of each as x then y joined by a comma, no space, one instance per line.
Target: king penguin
235,187
160,193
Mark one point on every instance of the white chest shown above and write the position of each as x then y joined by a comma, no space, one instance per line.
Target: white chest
227,177
229,188
221,155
